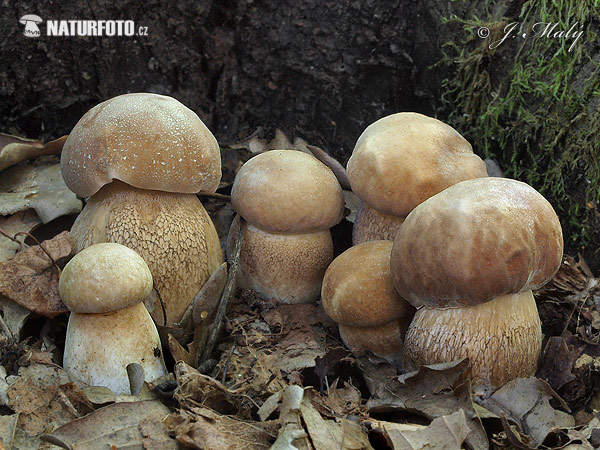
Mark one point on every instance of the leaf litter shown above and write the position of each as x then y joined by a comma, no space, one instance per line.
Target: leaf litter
280,377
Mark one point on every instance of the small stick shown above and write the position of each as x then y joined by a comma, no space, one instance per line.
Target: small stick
215,326
226,368
214,195
25,233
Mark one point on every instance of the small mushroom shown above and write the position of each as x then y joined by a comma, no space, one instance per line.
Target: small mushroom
468,259
104,287
398,162
289,200
359,295
30,21
142,158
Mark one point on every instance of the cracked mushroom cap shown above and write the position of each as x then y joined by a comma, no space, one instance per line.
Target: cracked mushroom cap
287,191
475,241
403,159
103,278
357,289
146,140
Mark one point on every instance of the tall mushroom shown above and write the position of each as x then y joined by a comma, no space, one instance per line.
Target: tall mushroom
289,200
142,158
468,259
109,327
400,161
358,294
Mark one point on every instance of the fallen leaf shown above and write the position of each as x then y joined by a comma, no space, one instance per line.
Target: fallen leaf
20,222
40,188
433,391
30,279
444,433
14,149
8,429
114,426
13,318
202,428
338,170
324,434
557,362
101,396
526,402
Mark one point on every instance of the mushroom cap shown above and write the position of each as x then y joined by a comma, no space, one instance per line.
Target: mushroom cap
287,191
148,141
30,18
502,338
98,348
475,241
357,289
403,159
104,278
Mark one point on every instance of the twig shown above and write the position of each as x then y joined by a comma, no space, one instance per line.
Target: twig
226,367
215,326
39,244
214,195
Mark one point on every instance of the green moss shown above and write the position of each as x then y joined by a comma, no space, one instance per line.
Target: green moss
533,105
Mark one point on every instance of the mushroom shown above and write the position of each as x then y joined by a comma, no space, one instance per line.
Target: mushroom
468,259
30,21
142,158
109,327
359,295
289,200
400,161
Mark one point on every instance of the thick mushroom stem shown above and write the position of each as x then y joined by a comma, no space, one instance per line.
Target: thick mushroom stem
502,338
98,347
172,232
285,266
372,225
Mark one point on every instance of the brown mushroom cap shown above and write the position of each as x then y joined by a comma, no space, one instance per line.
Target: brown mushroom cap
403,159
103,278
357,289
474,241
146,140
285,191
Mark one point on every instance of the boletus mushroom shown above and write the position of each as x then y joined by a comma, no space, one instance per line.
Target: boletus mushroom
142,158
398,162
104,287
468,259
359,295
289,200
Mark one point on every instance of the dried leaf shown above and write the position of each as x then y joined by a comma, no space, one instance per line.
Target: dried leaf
526,402
351,202
13,318
324,434
444,433
117,425
22,221
202,428
208,297
433,391
338,170
8,429
155,435
100,396
557,362
31,280
45,399
14,149
291,434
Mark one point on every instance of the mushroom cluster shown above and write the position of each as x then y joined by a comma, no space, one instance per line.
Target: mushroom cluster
142,158
289,200
398,162
358,294
468,259
104,287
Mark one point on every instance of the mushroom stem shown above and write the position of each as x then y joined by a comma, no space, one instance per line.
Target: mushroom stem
502,338
285,266
98,347
372,225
